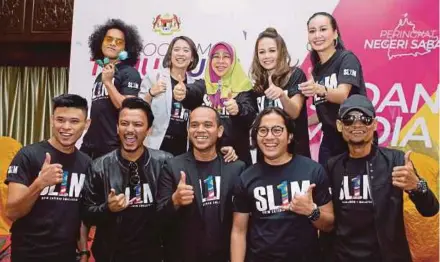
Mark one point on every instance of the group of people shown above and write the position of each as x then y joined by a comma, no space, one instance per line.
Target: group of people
165,171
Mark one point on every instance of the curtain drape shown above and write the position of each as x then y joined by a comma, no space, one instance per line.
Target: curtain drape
25,97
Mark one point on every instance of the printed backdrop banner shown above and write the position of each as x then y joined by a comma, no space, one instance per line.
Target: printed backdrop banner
397,42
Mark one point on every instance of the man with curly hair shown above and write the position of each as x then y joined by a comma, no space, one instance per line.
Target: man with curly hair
118,80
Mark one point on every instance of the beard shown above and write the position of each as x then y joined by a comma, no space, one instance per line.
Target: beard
357,143
129,150
366,141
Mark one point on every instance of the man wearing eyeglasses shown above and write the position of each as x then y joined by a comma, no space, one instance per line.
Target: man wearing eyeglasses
195,194
368,183
119,194
279,203
118,80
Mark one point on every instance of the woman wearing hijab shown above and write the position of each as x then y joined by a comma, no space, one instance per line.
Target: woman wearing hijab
227,89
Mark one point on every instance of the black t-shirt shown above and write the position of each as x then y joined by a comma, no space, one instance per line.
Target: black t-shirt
51,229
139,235
210,181
274,234
102,134
342,68
356,238
301,136
176,137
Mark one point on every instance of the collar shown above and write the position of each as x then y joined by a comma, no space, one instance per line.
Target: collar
141,161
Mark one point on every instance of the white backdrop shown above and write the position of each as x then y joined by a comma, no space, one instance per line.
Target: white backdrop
205,21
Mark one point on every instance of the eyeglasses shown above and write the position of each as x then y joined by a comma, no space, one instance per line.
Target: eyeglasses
134,174
350,119
118,41
276,131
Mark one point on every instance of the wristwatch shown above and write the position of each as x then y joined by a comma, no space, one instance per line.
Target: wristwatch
84,252
422,186
316,213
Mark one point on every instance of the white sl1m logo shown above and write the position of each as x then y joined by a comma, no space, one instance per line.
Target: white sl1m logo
12,169
360,188
349,72
145,198
72,189
133,85
265,199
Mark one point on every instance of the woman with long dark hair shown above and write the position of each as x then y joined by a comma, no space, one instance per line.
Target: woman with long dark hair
336,75
276,84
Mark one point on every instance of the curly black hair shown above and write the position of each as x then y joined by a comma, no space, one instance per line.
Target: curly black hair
133,41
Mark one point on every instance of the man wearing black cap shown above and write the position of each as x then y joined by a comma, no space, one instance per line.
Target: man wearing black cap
368,183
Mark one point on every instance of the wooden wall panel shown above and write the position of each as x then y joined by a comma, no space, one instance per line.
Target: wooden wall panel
35,32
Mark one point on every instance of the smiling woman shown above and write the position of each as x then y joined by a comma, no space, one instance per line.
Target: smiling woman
169,131
276,85
227,89
336,75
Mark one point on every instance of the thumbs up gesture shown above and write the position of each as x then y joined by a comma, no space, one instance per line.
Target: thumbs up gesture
184,194
404,177
231,105
179,91
159,87
310,88
117,203
273,92
302,204
50,174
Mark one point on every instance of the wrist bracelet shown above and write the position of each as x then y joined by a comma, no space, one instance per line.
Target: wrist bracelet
149,92
84,252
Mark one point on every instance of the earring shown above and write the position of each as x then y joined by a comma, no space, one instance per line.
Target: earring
308,47
335,42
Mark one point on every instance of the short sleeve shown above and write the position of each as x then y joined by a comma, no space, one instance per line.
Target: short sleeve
129,82
240,199
350,71
19,169
321,194
296,78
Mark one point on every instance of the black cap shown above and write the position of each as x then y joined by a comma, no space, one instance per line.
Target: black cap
357,102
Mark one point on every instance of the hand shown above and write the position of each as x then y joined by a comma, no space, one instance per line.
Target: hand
404,177
179,91
229,154
117,203
159,87
310,88
184,194
302,204
231,105
273,92
107,74
50,174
